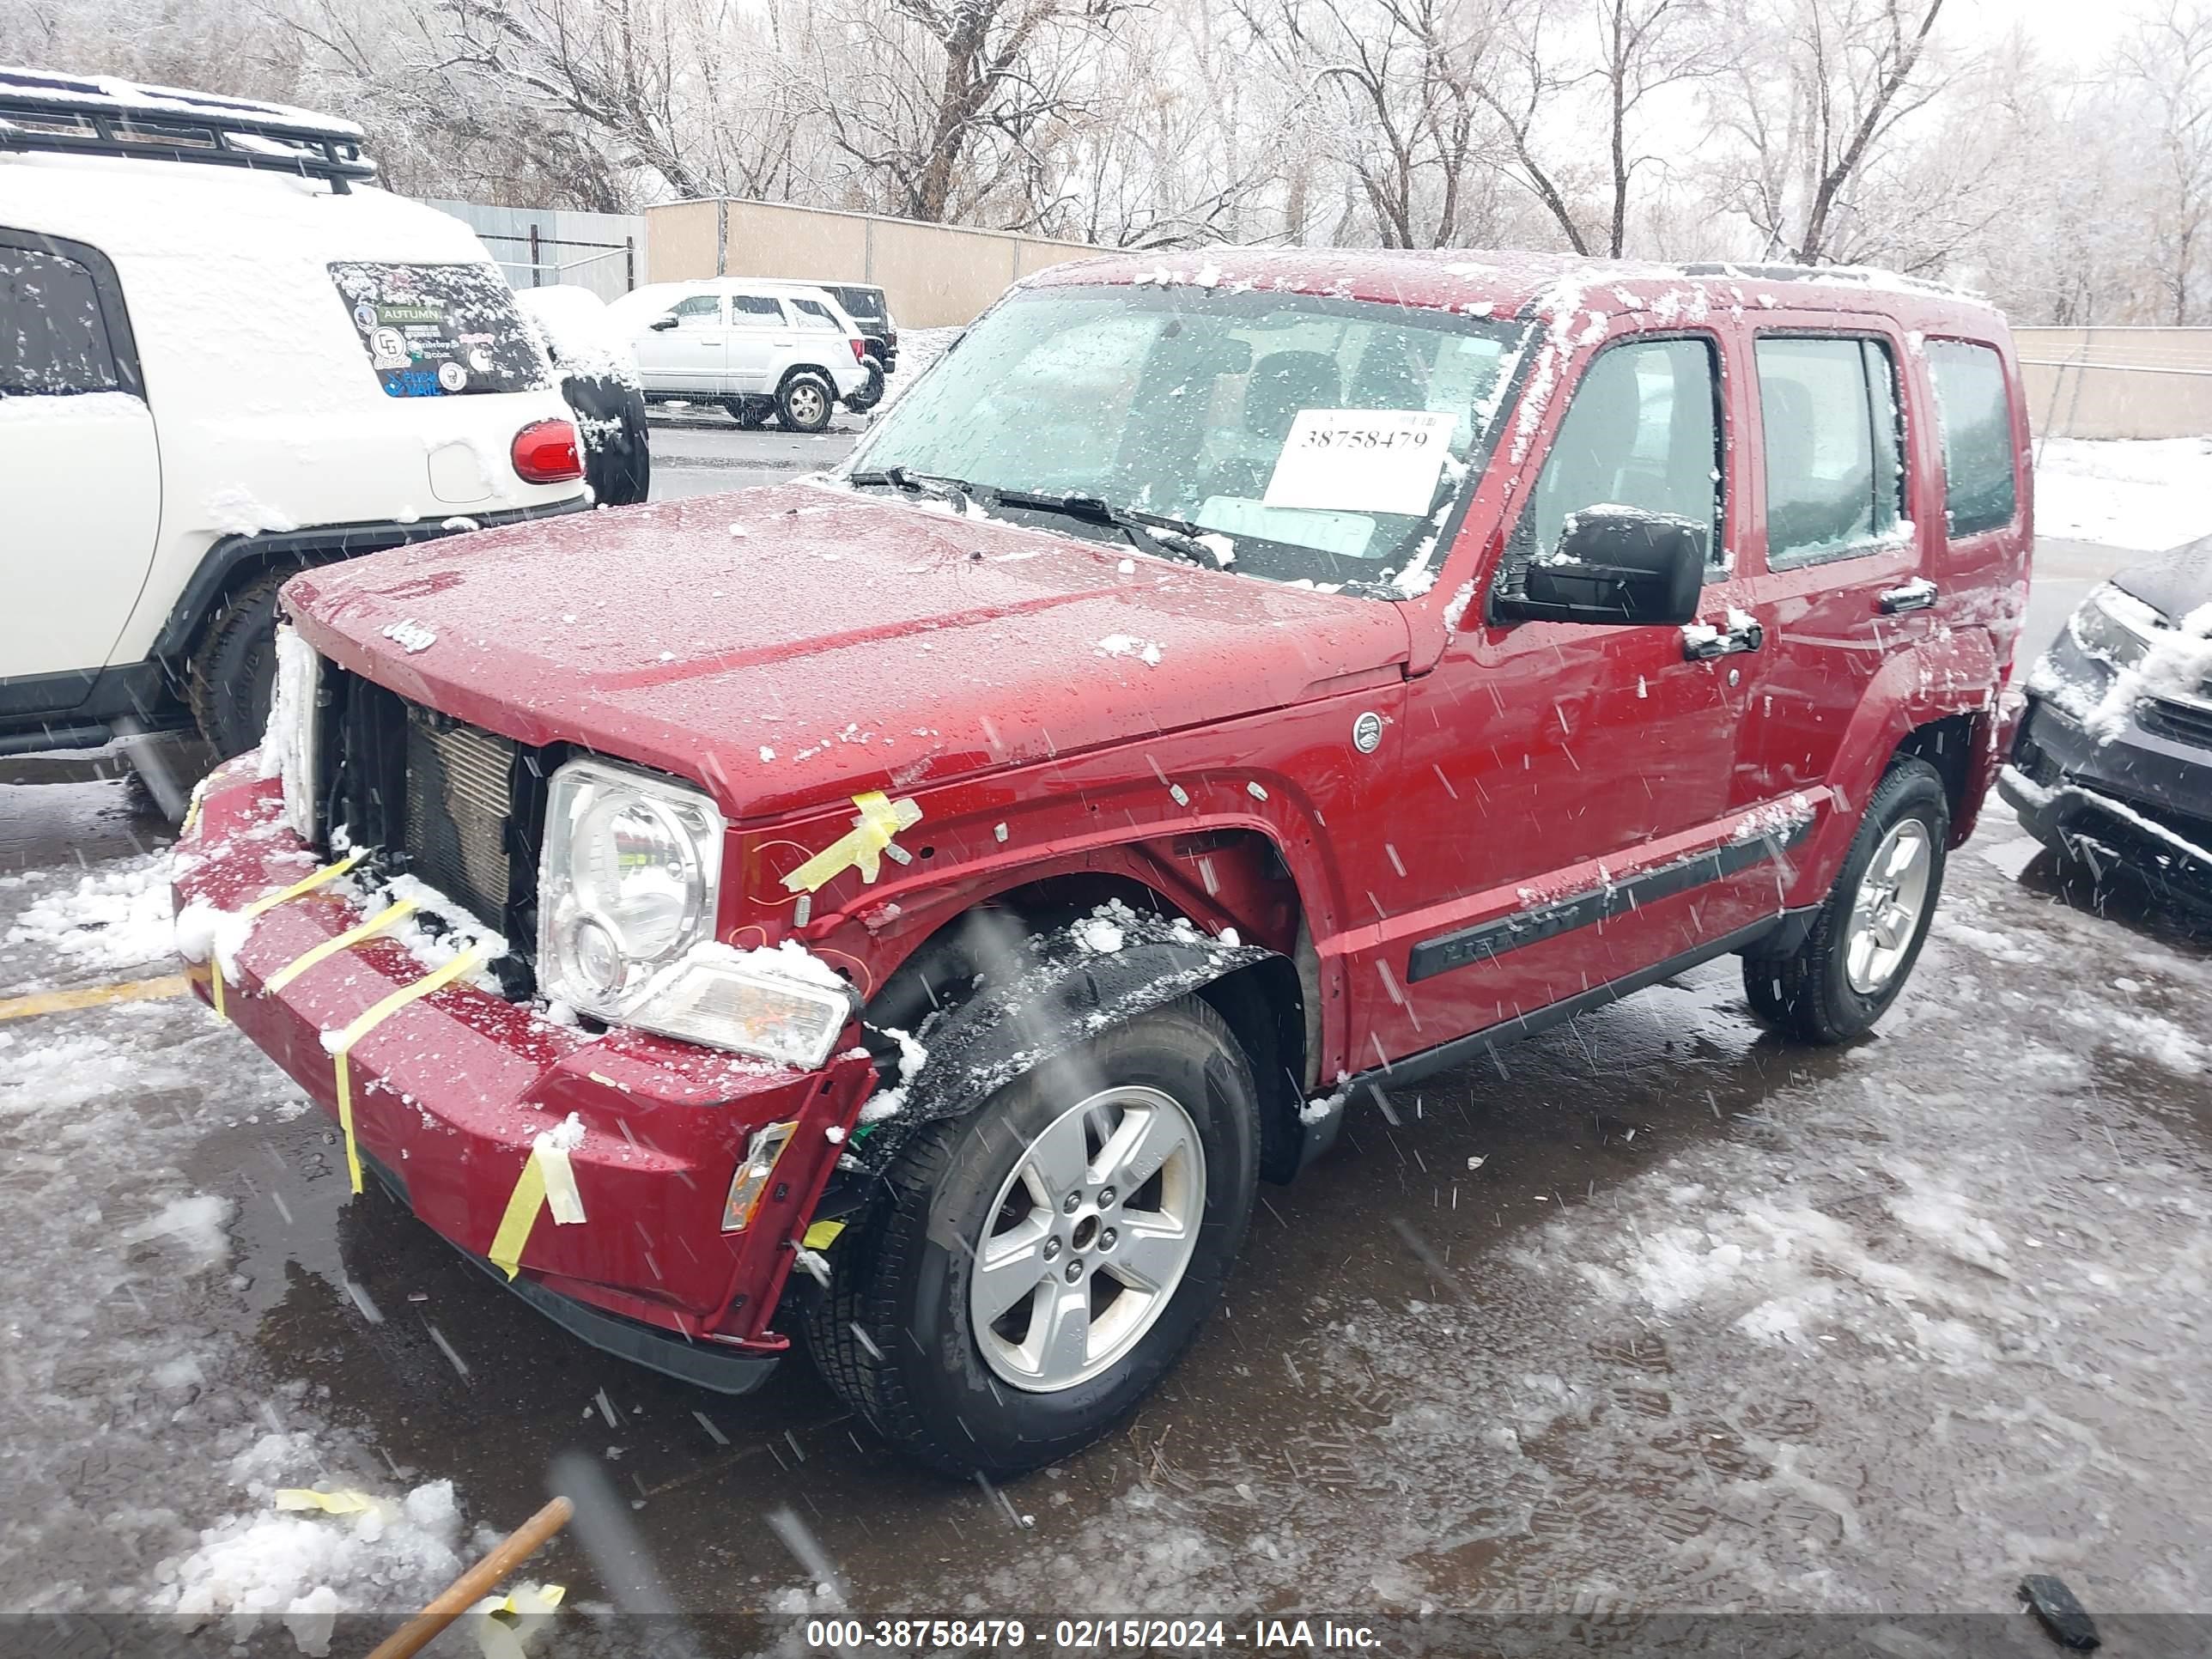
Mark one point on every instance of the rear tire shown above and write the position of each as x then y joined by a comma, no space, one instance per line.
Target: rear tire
747,412
234,667
1869,929
805,402
896,1332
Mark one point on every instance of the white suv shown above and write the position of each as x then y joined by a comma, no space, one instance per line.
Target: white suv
224,357
751,345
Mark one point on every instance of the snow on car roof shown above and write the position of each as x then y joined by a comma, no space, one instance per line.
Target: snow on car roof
108,92
1508,283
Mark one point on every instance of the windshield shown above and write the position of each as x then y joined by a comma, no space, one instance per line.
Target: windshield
1315,440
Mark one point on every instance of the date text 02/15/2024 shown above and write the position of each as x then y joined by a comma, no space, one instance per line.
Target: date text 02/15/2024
1109,1634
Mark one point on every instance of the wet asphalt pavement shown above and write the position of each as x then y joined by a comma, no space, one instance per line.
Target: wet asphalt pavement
1659,1314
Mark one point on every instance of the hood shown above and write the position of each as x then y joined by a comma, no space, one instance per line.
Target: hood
793,645
2176,583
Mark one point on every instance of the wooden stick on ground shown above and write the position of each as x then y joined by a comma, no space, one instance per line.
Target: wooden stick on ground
478,1582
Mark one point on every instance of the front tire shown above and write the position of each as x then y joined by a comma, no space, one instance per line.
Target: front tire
234,667
1036,1268
804,403
1869,929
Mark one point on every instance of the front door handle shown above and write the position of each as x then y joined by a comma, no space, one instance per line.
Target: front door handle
1702,642
1918,594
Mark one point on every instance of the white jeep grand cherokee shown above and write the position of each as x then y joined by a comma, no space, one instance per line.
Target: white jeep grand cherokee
225,355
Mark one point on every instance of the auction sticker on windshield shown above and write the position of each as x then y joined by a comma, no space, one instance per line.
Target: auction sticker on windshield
1362,460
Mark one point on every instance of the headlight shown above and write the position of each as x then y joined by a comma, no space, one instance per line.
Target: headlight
2115,626
288,744
626,885
627,888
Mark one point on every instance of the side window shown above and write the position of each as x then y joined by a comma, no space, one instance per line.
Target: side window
813,313
53,340
701,309
1828,418
1643,431
754,311
1975,412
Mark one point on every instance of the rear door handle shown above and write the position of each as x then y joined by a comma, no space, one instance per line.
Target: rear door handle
1918,594
1702,642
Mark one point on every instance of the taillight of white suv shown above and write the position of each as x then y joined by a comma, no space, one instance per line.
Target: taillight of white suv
859,350
545,452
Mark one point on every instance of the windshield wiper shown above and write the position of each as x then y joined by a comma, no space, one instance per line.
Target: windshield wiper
1158,530
900,477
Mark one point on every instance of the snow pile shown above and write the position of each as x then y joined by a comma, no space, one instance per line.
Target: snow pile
2150,494
303,1569
113,920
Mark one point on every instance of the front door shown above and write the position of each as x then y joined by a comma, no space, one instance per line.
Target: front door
80,475
1590,765
692,354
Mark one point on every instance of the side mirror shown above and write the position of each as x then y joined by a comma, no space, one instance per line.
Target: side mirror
662,324
1617,565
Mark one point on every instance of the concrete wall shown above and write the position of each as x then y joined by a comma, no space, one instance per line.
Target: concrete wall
602,252
935,275
2117,382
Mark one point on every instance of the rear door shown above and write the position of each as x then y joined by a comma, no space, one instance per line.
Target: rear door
761,342
80,471
693,356
1836,563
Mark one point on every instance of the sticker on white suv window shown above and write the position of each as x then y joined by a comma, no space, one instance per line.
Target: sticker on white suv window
1362,460
439,331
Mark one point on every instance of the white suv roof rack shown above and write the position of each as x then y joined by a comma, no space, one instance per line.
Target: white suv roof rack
96,115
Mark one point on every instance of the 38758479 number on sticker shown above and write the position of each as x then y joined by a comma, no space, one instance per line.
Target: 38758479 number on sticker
1362,460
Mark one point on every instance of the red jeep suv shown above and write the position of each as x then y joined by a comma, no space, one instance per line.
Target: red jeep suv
1212,693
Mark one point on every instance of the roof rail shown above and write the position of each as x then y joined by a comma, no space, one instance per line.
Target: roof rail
94,115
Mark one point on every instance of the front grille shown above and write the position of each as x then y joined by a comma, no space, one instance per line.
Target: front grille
2182,722
459,793
451,804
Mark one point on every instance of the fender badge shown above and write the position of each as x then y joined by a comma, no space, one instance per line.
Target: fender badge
1367,733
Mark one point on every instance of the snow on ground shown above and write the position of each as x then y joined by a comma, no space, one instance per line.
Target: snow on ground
145,1438
2151,494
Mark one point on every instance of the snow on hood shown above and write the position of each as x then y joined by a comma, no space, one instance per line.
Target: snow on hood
799,644
2175,583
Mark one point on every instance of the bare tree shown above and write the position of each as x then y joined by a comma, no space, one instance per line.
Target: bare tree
1820,89
2167,61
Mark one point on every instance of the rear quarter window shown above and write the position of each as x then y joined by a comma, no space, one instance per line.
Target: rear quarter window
53,337
440,331
1974,409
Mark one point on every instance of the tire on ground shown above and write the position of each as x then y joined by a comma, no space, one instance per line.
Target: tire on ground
747,412
1808,993
233,671
805,401
893,1332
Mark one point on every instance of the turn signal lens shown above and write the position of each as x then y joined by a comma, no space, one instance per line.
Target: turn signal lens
752,1177
545,452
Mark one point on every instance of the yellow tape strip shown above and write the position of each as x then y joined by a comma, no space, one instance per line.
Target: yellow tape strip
467,962
214,985
395,911
522,1207
307,884
329,1502
862,846
191,816
821,1235
94,996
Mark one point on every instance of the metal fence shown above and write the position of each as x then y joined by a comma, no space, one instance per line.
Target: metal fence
539,247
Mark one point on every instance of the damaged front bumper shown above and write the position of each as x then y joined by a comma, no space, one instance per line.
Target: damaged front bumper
2143,797
451,1094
